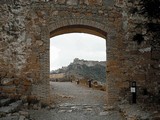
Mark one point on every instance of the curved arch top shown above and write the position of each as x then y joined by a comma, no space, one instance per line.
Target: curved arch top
80,26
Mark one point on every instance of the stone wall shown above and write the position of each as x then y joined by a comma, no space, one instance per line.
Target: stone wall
15,48
142,58
22,49
26,27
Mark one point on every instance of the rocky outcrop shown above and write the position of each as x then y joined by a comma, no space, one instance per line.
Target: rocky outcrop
88,63
83,69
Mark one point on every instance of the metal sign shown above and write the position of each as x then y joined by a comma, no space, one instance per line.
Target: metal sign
133,89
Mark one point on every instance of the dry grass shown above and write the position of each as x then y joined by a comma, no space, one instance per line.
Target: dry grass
57,76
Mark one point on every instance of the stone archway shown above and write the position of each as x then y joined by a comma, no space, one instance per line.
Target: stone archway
76,25
55,20
85,26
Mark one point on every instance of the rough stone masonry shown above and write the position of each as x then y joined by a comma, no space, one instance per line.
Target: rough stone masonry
27,25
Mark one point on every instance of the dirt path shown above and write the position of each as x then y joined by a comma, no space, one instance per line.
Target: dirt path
67,92
75,102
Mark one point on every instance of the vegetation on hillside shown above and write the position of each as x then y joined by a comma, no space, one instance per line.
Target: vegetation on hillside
96,72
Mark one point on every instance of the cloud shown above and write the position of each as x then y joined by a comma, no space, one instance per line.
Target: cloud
64,48
54,57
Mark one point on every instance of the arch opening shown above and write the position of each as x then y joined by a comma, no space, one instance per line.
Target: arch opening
82,29
76,45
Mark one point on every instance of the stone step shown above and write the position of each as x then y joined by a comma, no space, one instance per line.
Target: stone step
16,104
11,108
6,109
10,118
4,102
8,89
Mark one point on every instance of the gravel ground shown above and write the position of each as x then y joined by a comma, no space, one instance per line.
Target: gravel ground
76,94
75,102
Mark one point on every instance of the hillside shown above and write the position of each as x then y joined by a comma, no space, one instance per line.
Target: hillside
85,69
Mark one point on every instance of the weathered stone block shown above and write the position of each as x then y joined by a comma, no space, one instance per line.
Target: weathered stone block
26,83
9,89
16,81
156,55
4,102
140,78
86,2
39,42
95,2
72,2
61,1
7,81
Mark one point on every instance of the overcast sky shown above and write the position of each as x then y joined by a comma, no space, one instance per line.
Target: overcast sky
65,48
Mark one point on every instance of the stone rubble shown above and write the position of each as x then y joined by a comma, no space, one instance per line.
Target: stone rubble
68,110
135,112
130,112
11,107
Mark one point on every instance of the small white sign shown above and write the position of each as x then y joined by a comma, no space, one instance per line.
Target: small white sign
133,89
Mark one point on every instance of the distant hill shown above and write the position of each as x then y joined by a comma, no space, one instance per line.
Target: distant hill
85,69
